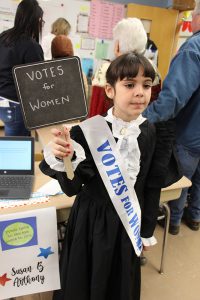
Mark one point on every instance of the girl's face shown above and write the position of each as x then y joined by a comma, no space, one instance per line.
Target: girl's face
130,96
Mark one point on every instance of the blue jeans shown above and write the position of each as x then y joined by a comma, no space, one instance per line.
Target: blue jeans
13,120
190,163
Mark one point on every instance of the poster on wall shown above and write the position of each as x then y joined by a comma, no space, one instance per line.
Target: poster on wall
29,253
103,17
82,23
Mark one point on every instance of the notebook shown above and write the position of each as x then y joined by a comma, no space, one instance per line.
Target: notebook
16,167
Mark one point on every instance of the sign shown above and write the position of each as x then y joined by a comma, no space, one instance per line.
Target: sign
51,92
29,253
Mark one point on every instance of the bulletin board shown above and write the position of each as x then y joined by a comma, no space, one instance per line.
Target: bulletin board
91,23
91,34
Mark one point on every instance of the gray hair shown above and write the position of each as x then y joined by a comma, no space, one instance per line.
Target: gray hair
131,35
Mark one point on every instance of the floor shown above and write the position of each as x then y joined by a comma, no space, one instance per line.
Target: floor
181,278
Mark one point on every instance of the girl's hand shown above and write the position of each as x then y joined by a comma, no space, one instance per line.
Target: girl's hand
62,144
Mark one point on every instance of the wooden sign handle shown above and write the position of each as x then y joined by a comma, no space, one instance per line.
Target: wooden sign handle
68,167
67,160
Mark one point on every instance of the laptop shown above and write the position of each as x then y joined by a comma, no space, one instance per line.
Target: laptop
16,167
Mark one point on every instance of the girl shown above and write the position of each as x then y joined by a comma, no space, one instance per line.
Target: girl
18,45
115,211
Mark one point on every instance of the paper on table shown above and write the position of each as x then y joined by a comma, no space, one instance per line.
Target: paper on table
50,188
34,199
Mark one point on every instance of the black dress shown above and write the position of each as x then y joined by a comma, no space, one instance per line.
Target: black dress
98,261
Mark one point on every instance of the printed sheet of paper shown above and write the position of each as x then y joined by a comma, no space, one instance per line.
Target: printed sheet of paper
101,50
104,16
28,253
82,23
87,43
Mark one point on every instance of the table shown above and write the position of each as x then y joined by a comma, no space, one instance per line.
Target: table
60,202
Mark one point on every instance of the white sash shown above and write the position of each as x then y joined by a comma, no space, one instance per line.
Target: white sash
114,175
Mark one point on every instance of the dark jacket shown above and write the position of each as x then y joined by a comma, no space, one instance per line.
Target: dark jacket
179,98
25,50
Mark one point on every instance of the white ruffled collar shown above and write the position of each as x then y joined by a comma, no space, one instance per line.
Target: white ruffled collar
122,128
127,134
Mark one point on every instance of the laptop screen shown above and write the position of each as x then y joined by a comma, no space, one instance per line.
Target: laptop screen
16,155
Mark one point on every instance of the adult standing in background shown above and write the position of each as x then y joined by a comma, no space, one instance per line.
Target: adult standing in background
60,26
61,47
18,45
128,35
179,99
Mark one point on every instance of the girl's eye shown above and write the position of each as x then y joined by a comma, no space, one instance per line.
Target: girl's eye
147,86
129,85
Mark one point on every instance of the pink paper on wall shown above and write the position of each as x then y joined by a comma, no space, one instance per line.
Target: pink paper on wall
103,17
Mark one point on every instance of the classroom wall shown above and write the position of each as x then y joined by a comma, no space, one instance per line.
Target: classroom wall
157,3
163,31
93,49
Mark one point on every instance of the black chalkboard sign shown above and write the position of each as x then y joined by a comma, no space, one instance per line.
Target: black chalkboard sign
51,92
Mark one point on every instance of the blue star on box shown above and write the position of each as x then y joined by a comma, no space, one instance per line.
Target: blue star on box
45,252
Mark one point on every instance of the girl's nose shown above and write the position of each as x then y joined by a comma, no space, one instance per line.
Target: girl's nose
139,91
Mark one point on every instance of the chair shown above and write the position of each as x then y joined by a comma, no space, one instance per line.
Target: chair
170,193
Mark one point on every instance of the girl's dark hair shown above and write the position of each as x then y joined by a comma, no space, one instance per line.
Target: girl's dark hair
127,66
28,22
